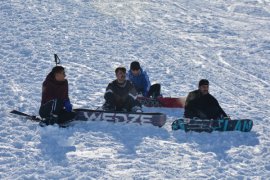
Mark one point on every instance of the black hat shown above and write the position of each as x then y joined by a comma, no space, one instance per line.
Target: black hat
203,82
135,65
123,69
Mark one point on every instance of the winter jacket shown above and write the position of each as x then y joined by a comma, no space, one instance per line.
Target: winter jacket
52,89
141,82
121,95
202,106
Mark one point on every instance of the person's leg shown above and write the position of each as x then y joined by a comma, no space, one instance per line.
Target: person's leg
154,90
52,107
109,102
51,110
132,104
214,113
65,116
45,110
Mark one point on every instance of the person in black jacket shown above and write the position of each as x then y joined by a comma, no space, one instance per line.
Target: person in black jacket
120,94
55,104
201,104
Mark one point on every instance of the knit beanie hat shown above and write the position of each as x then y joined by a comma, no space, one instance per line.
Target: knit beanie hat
135,65
203,82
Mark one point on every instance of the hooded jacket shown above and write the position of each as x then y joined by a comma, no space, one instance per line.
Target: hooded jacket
140,82
52,89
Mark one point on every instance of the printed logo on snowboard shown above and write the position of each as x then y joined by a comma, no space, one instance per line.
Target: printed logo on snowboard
119,117
244,125
238,125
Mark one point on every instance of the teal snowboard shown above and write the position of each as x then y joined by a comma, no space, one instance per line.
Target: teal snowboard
205,125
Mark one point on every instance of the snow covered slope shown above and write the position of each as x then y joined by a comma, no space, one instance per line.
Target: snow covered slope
178,42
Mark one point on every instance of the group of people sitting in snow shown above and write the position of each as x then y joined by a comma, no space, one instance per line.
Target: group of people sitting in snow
121,95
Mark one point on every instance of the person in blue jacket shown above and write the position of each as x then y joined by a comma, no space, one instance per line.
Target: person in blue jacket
140,80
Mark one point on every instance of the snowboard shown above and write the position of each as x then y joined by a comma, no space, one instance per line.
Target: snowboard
156,119
167,102
199,125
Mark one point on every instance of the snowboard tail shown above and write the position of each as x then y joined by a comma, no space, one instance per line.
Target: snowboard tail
199,125
32,118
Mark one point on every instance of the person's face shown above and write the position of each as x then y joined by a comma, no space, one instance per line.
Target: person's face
60,76
204,89
121,76
135,72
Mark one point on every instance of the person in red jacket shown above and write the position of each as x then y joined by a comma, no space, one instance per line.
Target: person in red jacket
55,104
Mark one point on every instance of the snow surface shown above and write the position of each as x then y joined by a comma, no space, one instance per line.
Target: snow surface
178,42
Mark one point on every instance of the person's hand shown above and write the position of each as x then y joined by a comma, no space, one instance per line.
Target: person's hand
68,106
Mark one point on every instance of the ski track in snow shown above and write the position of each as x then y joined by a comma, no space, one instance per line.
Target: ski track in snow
178,43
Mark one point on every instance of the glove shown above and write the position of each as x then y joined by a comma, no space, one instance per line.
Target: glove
67,105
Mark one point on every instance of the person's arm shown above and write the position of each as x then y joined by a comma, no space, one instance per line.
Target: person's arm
146,84
66,91
191,109
132,91
188,106
67,104
109,92
191,96
47,93
221,111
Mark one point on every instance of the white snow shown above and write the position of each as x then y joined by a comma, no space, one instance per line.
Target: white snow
178,42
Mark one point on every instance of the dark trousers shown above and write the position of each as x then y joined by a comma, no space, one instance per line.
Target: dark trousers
215,113
211,113
117,103
154,90
56,107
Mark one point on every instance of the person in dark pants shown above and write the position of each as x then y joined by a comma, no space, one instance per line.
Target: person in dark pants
140,80
201,104
120,94
55,104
